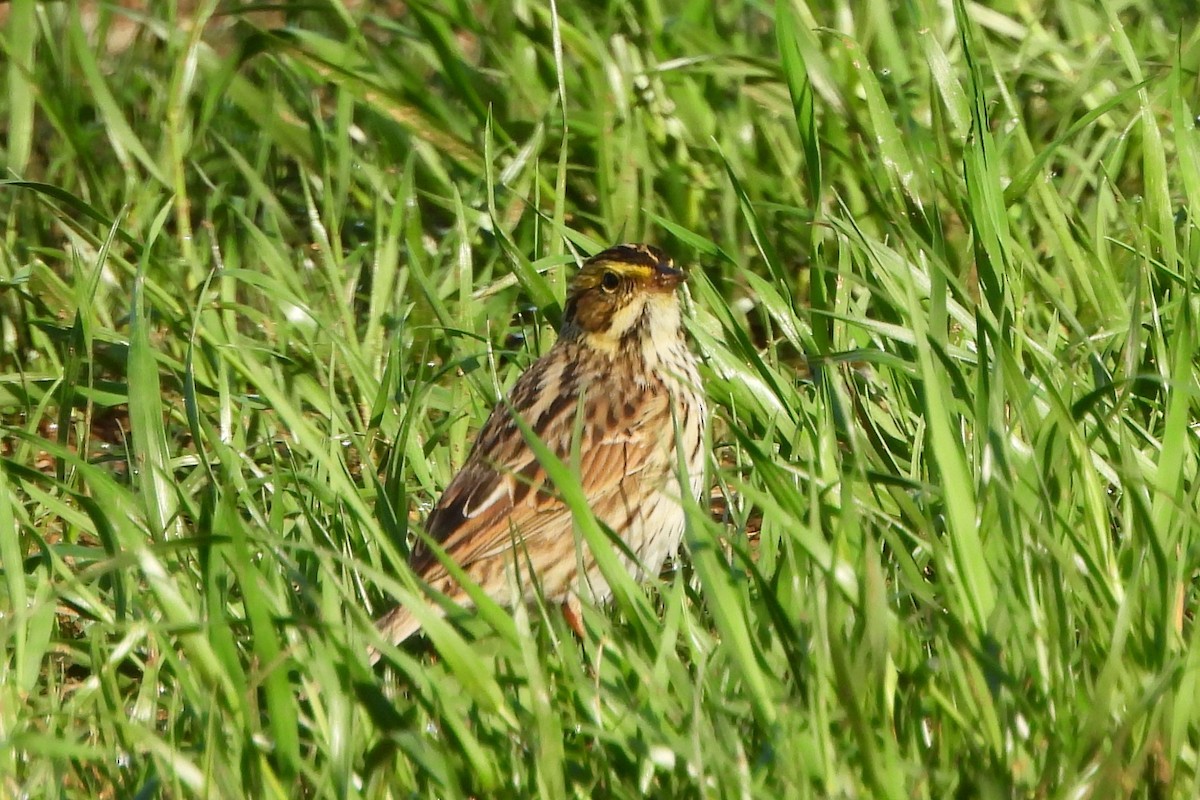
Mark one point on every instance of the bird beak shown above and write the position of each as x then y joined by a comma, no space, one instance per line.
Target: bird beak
667,277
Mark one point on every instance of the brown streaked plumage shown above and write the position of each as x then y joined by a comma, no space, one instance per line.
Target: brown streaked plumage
621,359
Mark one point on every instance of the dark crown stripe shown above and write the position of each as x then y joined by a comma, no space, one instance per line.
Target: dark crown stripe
641,254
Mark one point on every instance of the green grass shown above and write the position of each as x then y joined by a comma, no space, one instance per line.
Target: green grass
263,273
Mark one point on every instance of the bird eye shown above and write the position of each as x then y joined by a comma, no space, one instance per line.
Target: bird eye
610,281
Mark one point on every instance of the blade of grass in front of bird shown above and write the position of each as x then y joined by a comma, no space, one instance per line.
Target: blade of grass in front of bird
549,754
567,484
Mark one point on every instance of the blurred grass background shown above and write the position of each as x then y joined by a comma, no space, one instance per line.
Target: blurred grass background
265,269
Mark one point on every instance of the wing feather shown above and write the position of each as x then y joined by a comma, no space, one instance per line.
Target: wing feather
502,488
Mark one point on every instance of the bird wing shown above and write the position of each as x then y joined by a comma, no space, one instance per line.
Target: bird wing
503,491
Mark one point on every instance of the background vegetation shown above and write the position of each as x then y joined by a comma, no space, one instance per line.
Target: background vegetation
264,270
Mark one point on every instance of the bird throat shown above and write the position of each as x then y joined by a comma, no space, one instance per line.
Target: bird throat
641,332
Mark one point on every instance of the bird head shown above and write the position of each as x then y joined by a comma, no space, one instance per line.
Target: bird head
625,291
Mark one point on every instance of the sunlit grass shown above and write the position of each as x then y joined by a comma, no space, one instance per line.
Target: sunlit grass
263,273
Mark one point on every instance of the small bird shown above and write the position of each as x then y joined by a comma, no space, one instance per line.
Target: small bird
622,362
